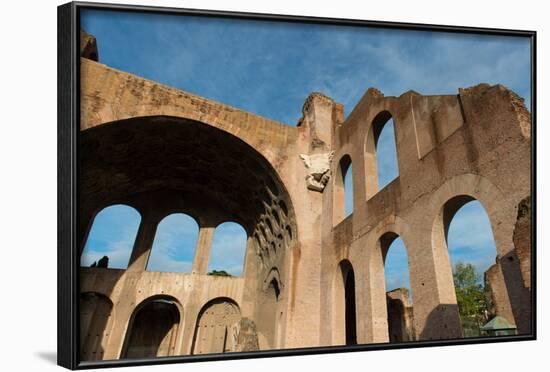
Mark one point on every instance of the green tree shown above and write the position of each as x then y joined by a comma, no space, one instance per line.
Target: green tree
219,273
470,294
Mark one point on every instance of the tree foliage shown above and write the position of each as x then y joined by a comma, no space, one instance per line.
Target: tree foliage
470,294
219,273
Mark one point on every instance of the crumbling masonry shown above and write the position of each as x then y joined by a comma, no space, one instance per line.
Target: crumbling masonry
311,277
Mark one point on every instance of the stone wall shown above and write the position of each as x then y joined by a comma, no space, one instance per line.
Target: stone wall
148,145
522,239
497,293
400,316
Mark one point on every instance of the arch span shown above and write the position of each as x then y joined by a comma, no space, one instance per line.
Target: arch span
120,95
161,163
502,215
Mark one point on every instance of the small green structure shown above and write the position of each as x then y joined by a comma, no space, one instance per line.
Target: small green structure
498,326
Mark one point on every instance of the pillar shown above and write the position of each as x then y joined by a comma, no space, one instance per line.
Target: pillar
143,243
202,251
436,315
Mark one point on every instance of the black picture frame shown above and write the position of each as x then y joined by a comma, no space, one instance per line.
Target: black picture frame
68,128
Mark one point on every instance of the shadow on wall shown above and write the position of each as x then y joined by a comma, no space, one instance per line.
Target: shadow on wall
520,296
443,322
95,325
400,316
152,329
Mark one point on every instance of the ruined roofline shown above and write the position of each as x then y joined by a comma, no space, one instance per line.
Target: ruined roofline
88,46
89,52
373,94
193,95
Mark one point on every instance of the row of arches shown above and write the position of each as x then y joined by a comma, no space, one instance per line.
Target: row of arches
468,239
381,164
154,328
115,228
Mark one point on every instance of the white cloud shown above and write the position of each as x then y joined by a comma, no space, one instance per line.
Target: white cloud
228,249
118,252
174,244
165,263
470,238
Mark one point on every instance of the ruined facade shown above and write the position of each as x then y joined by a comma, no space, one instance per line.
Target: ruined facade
400,316
311,277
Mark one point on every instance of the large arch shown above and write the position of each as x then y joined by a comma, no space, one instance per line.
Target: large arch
153,328
215,327
470,324
502,214
163,160
135,96
454,193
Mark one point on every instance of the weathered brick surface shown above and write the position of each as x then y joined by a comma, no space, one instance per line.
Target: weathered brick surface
497,293
522,239
164,150
400,316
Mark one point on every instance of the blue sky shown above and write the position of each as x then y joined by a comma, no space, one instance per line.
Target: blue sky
269,68
228,248
174,244
386,165
114,231
386,156
470,240
112,234
396,269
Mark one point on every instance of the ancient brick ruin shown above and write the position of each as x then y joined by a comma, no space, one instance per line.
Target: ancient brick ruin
311,277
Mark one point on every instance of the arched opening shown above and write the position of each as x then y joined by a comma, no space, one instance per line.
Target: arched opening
228,250
386,155
174,244
153,329
348,278
343,190
381,165
111,238
161,164
215,325
477,278
274,289
96,322
399,304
